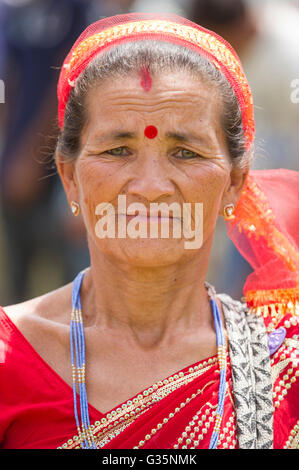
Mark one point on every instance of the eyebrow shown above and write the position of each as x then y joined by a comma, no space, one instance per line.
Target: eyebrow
181,137
178,136
116,135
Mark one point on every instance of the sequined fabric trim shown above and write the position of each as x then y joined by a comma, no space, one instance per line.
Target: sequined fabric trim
201,424
287,298
284,370
228,435
197,428
120,418
293,439
274,314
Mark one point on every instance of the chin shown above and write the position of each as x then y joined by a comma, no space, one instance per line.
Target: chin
146,252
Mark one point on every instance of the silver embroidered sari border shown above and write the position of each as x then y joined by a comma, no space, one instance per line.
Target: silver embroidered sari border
251,374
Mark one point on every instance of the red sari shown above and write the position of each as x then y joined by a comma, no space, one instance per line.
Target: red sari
36,404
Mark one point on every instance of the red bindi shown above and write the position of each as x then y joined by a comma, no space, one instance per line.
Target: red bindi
151,132
146,79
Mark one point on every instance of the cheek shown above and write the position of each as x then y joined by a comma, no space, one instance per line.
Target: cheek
207,185
95,185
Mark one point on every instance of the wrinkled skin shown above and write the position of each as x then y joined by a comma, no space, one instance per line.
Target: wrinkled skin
146,311
152,170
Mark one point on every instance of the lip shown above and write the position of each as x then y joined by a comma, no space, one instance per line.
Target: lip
147,215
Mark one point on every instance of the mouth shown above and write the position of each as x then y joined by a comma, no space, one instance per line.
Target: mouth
148,216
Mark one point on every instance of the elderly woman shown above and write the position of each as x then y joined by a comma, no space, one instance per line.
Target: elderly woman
139,352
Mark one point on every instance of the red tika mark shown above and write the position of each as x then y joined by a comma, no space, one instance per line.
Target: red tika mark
151,132
146,79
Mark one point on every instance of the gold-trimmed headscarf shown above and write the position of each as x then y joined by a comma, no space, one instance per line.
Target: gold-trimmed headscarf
109,32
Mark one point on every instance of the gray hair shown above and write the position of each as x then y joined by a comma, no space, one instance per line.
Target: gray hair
156,56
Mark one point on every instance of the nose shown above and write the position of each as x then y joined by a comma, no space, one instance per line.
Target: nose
151,180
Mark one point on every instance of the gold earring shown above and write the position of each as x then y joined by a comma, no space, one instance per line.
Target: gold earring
229,212
75,208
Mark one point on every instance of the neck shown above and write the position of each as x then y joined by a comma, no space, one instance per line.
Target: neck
150,303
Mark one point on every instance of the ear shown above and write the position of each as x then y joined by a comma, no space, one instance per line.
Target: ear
67,172
234,187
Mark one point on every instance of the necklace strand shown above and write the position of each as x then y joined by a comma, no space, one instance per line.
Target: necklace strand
77,345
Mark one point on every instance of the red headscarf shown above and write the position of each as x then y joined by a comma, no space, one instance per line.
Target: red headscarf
110,32
265,228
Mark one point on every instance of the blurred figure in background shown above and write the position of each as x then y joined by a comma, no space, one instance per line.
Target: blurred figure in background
232,19
37,33
35,220
265,35
160,6
2,40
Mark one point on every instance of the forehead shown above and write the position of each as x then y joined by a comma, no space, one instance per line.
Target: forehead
172,98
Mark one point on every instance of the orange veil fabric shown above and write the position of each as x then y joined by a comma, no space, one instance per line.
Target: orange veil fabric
265,231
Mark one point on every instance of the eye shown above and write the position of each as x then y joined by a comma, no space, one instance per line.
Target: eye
185,154
119,152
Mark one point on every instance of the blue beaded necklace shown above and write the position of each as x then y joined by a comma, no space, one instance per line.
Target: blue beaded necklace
78,366
77,343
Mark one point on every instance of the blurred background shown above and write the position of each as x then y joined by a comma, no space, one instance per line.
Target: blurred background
42,246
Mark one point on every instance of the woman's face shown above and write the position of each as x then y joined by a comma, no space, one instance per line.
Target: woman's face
186,162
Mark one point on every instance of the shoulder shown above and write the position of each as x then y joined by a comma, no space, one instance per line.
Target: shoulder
49,306
37,316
